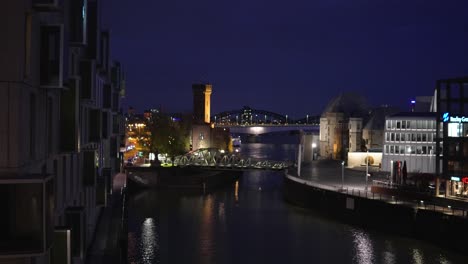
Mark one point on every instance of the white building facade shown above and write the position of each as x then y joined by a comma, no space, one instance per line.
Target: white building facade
410,137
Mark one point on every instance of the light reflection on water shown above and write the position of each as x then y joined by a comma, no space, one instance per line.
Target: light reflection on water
363,247
149,241
244,224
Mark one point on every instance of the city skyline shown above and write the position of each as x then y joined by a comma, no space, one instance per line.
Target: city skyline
290,58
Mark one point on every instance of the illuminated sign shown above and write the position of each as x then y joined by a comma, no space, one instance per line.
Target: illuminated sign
465,179
455,178
454,119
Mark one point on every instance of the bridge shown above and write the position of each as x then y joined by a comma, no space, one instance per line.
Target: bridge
248,116
264,129
213,158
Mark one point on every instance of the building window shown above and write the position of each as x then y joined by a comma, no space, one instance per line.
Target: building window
386,149
49,125
51,55
392,136
32,125
402,137
201,136
27,45
398,124
424,150
408,124
397,149
397,137
392,149
389,124
454,129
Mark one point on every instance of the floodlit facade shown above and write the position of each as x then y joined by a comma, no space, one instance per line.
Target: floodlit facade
410,137
61,128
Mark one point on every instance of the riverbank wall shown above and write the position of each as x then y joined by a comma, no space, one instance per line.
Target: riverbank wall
445,230
192,178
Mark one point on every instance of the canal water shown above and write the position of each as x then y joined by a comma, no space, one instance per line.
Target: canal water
249,222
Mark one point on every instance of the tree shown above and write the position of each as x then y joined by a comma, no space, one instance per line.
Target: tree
169,135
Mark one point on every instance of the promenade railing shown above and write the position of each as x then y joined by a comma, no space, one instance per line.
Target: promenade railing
391,199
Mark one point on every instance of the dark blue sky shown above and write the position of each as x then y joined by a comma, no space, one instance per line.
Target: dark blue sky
289,56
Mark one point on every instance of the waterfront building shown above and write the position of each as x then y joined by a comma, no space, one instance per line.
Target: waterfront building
373,131
452,136
203,133
61,128
201,103
341,126
410,137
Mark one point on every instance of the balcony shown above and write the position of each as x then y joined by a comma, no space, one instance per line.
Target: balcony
27,205
46,5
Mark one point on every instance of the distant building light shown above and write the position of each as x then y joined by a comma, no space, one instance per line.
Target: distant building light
453,178
413,101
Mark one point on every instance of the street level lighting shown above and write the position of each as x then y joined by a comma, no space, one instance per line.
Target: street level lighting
367,167
342,175
313,150
391,173
307,119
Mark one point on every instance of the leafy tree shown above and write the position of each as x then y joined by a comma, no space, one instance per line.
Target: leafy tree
169,135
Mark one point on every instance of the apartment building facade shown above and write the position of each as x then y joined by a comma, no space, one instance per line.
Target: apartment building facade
61,128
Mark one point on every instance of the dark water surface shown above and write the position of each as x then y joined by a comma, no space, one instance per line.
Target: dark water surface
249,222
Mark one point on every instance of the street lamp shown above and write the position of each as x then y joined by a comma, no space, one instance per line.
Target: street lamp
391,172
313,150
342,175
367,167
307,119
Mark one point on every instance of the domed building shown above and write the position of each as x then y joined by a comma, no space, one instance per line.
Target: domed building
341,125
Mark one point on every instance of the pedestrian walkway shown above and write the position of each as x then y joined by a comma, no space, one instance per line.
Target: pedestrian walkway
105,247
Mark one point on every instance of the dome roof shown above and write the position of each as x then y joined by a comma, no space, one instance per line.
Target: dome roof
351,104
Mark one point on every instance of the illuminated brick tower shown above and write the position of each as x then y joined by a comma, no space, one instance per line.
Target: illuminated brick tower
201,102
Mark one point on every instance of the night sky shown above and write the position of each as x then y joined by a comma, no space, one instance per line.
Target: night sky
289,56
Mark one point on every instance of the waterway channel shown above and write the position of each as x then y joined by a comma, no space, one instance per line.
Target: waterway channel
249,222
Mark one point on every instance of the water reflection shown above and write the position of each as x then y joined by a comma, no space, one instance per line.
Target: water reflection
239,224
149,241
417,256
206,230
388,254
363,247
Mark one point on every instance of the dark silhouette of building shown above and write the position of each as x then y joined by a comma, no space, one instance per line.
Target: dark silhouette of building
61,129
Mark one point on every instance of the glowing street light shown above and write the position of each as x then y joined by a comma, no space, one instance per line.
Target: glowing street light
391,172
342,175
313,150
367,168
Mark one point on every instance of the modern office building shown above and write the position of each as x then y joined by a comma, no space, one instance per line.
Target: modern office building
452,136
410,137
61,128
